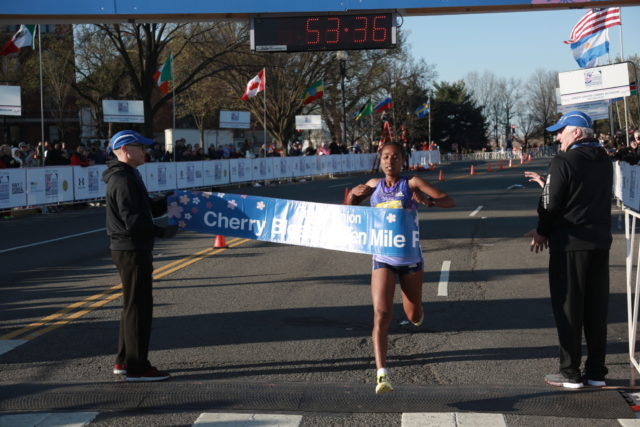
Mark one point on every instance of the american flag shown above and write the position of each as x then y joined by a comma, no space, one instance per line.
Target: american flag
593,21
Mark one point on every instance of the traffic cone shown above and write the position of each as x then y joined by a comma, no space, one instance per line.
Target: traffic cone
488,167
431,166
346,196
510,163
219,242
501,166
441,176
473,170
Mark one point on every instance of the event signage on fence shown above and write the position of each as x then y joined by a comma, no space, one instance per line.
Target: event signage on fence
594,84
13,191
116,111
59,184
10,101
49,185
235,119
392,232
88,183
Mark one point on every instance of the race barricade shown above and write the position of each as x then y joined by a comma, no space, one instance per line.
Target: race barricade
67,184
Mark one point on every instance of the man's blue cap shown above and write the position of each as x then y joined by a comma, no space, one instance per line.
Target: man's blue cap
572,118
125,137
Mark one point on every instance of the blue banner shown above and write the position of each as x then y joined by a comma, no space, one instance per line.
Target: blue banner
392,232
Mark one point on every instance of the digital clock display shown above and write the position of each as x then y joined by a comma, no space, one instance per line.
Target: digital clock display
323,32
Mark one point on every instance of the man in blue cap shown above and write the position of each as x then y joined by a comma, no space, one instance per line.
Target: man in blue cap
574,222
132,232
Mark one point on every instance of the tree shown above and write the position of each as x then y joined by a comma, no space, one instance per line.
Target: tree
541,89
141,48
456,118
287,76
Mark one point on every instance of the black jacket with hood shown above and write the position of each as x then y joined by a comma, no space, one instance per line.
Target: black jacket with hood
130,211
574,211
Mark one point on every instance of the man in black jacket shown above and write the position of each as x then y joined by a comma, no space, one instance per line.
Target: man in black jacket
132,232
574,221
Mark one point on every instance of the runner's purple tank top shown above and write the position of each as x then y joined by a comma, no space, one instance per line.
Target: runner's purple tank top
397,197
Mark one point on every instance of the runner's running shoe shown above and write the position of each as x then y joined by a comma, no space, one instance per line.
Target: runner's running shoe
419,322
383,384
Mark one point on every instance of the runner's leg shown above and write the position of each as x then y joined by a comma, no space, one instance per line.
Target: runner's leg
383,283
411,285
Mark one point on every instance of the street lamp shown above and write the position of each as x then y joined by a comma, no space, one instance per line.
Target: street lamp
341,56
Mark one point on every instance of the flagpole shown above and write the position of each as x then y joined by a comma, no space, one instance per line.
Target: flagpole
626,115
173,101
429,99
264,112
41,94
371,132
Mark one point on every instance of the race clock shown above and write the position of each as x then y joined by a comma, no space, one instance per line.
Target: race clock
323,32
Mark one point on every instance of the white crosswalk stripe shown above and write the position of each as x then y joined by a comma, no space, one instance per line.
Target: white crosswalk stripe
237,420
629,422
45,419
452,419
230,419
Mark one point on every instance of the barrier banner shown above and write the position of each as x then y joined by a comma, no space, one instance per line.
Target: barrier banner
189,174
159,176
12,187
283,167
360,229
215,173
262,169
297,166
630,196
240,170
310,165
88,183
51,184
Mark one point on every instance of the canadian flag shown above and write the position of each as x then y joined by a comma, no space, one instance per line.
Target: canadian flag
254,86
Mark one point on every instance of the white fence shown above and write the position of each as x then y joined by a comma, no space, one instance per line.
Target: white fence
626,184
66,184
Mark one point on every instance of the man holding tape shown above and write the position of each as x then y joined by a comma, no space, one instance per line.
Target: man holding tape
574,221
132,232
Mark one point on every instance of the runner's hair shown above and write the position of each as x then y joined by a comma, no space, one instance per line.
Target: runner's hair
394,144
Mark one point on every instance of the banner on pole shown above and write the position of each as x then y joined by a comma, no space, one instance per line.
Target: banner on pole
115,111
10,101
360,229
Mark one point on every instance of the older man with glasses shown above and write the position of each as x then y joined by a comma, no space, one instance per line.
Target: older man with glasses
132,232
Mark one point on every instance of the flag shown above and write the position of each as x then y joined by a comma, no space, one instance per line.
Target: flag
385,104
587,51
593,21
23,38
164,75
254,86
313,92
364,111
422,110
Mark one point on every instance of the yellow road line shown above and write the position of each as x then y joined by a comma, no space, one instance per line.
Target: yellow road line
107,296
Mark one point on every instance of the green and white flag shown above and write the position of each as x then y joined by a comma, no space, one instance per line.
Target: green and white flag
23,38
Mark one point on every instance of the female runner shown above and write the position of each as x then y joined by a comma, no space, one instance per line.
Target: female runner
395,191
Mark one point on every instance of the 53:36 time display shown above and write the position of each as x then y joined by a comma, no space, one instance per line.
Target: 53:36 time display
324,32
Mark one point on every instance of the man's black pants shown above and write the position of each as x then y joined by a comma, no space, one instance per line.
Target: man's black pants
136,273
579,284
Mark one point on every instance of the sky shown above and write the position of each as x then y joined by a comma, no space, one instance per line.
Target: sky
508,44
